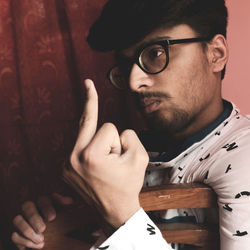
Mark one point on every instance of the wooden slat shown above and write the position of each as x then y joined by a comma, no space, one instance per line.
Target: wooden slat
190,233
170,196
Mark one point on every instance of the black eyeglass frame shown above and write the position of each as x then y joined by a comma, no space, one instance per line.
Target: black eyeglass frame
164,44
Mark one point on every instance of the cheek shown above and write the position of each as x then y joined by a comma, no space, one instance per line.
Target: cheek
185,79
190,86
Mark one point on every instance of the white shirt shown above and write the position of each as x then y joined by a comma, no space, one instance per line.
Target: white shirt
221,160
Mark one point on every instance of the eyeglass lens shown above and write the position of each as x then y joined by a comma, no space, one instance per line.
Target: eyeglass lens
152,60
117,78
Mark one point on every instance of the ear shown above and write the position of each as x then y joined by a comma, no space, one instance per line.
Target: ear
218,53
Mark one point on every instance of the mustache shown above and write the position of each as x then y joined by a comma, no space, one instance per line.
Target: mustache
143,95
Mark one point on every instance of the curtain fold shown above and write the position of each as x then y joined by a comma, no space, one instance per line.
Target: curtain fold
44,58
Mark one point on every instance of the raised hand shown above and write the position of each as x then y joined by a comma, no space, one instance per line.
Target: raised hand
110,167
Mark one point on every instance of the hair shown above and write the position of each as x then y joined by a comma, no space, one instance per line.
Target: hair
123,23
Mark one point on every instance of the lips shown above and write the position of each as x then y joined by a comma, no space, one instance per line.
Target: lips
149,105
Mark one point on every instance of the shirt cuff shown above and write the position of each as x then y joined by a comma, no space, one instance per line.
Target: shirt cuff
139,232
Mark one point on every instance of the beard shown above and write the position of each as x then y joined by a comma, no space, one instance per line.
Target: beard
170,121
177,123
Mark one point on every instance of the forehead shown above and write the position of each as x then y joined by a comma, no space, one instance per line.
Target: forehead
176,32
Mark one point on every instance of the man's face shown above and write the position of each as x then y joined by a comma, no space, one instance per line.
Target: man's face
184,93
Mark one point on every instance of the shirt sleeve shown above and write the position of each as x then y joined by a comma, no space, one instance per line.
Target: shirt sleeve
230,178
139,232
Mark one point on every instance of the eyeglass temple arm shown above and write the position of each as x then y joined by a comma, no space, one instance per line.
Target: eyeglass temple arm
187,40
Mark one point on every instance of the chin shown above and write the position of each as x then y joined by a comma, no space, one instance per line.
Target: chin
158,122
168,123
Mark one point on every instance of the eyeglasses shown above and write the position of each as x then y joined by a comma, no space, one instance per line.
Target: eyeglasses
152,59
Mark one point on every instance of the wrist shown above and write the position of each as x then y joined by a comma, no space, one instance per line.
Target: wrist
108,229
121,216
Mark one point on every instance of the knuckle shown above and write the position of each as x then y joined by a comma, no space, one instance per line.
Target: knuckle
82,119
108,125
34,219
27,205
17,220
27,232
88,155
128,133
86,118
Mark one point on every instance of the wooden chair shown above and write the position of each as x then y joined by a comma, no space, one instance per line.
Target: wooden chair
193,195
62,233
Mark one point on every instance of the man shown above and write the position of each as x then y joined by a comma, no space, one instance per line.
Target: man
172,56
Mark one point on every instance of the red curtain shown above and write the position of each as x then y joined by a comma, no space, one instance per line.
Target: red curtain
43,59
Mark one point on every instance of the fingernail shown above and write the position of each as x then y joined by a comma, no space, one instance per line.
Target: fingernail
51,216
88,83
41,227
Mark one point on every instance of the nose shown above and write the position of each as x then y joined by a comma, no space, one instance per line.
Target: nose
138,79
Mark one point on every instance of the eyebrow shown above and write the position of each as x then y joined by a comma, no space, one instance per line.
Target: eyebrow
120,56
155,39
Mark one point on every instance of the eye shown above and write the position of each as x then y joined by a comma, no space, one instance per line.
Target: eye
153,53
156,52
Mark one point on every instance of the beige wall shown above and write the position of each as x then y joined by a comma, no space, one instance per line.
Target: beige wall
236,86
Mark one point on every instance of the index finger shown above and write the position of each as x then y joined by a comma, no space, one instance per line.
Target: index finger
88,122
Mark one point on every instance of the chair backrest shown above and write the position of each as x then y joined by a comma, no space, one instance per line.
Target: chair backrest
174,196
72,228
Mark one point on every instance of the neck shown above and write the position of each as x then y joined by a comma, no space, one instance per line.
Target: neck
206,116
